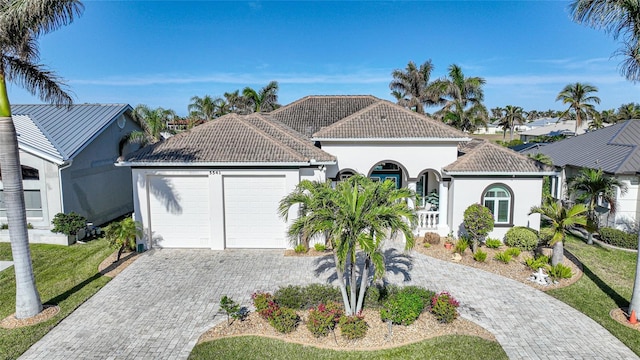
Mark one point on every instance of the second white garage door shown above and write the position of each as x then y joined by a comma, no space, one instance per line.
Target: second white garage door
251,211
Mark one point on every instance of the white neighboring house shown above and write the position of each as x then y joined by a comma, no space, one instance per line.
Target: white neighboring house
615,150
218,185
551,128
67,157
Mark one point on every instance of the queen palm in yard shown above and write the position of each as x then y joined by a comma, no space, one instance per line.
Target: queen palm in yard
462,98
264,100
153,123
21,23
628,112
560,221
204,107
512,115
619,18
591,185
357,214
412,83
580,98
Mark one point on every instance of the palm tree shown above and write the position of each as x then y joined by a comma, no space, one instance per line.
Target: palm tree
608,116
616,17
579,97
496,113
561,220
358,213
628,112
462,98
122,234
512,115
204,107
153,123
21,23
592,185
264,100
412,84
233,99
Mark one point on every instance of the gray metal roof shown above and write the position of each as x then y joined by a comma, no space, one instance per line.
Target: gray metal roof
31,138
67,130
613,149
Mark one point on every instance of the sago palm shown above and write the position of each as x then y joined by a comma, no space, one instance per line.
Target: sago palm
21,23
560,221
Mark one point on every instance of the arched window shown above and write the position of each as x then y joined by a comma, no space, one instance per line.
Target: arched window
498,199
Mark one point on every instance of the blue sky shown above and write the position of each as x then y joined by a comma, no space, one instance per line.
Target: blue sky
161,53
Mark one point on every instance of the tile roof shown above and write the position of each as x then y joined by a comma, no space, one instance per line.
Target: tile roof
234,138
481,156
311,113
613,149
385,120
68,130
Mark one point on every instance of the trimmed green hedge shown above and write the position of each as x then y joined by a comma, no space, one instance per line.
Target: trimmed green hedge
619,238
522,238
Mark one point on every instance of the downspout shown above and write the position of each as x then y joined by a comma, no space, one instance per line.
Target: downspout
65,165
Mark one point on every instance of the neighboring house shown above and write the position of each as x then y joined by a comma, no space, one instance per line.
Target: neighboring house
218,185
67,157
615,150
491,128
561,127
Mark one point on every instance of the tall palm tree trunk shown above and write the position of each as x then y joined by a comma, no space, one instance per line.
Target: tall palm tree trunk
27,298
364,282
558,253
635,296
353,282
343,288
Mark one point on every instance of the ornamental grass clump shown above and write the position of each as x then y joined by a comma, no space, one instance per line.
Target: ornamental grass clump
536,263
444,307
513,252
560,272
353,327
324,318
493,243
502,256
480,256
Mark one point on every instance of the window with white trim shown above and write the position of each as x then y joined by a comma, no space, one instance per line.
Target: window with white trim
498,199
32,202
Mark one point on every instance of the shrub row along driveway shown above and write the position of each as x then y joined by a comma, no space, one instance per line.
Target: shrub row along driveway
158,307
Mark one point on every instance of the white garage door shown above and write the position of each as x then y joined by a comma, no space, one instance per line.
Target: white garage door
179,211
251,212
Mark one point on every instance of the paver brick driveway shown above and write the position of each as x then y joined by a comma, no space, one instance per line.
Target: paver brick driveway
159,306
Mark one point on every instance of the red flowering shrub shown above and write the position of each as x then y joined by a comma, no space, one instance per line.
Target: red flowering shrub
324,318
444,307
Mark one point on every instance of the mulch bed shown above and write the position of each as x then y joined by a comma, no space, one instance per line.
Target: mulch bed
10,322
377,334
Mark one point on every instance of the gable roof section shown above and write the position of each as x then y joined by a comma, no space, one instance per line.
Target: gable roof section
67,130
31,139
385,120
311,113
481,156
613,149
240,139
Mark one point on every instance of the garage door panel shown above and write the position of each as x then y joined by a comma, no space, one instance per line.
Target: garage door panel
179,211
251,211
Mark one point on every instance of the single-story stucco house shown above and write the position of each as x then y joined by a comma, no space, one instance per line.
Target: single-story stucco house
218,185
67,157
614,149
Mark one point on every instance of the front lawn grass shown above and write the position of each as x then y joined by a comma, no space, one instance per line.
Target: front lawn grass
607,284
65,276
259,348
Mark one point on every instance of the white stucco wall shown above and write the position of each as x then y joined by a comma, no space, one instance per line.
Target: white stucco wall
628,204
48,185
415,157
216,197
464,192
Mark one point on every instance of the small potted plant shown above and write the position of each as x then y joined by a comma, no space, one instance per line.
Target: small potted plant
448,242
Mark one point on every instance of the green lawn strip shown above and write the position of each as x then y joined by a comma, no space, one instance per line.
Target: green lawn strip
65,275
255,347
606,284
